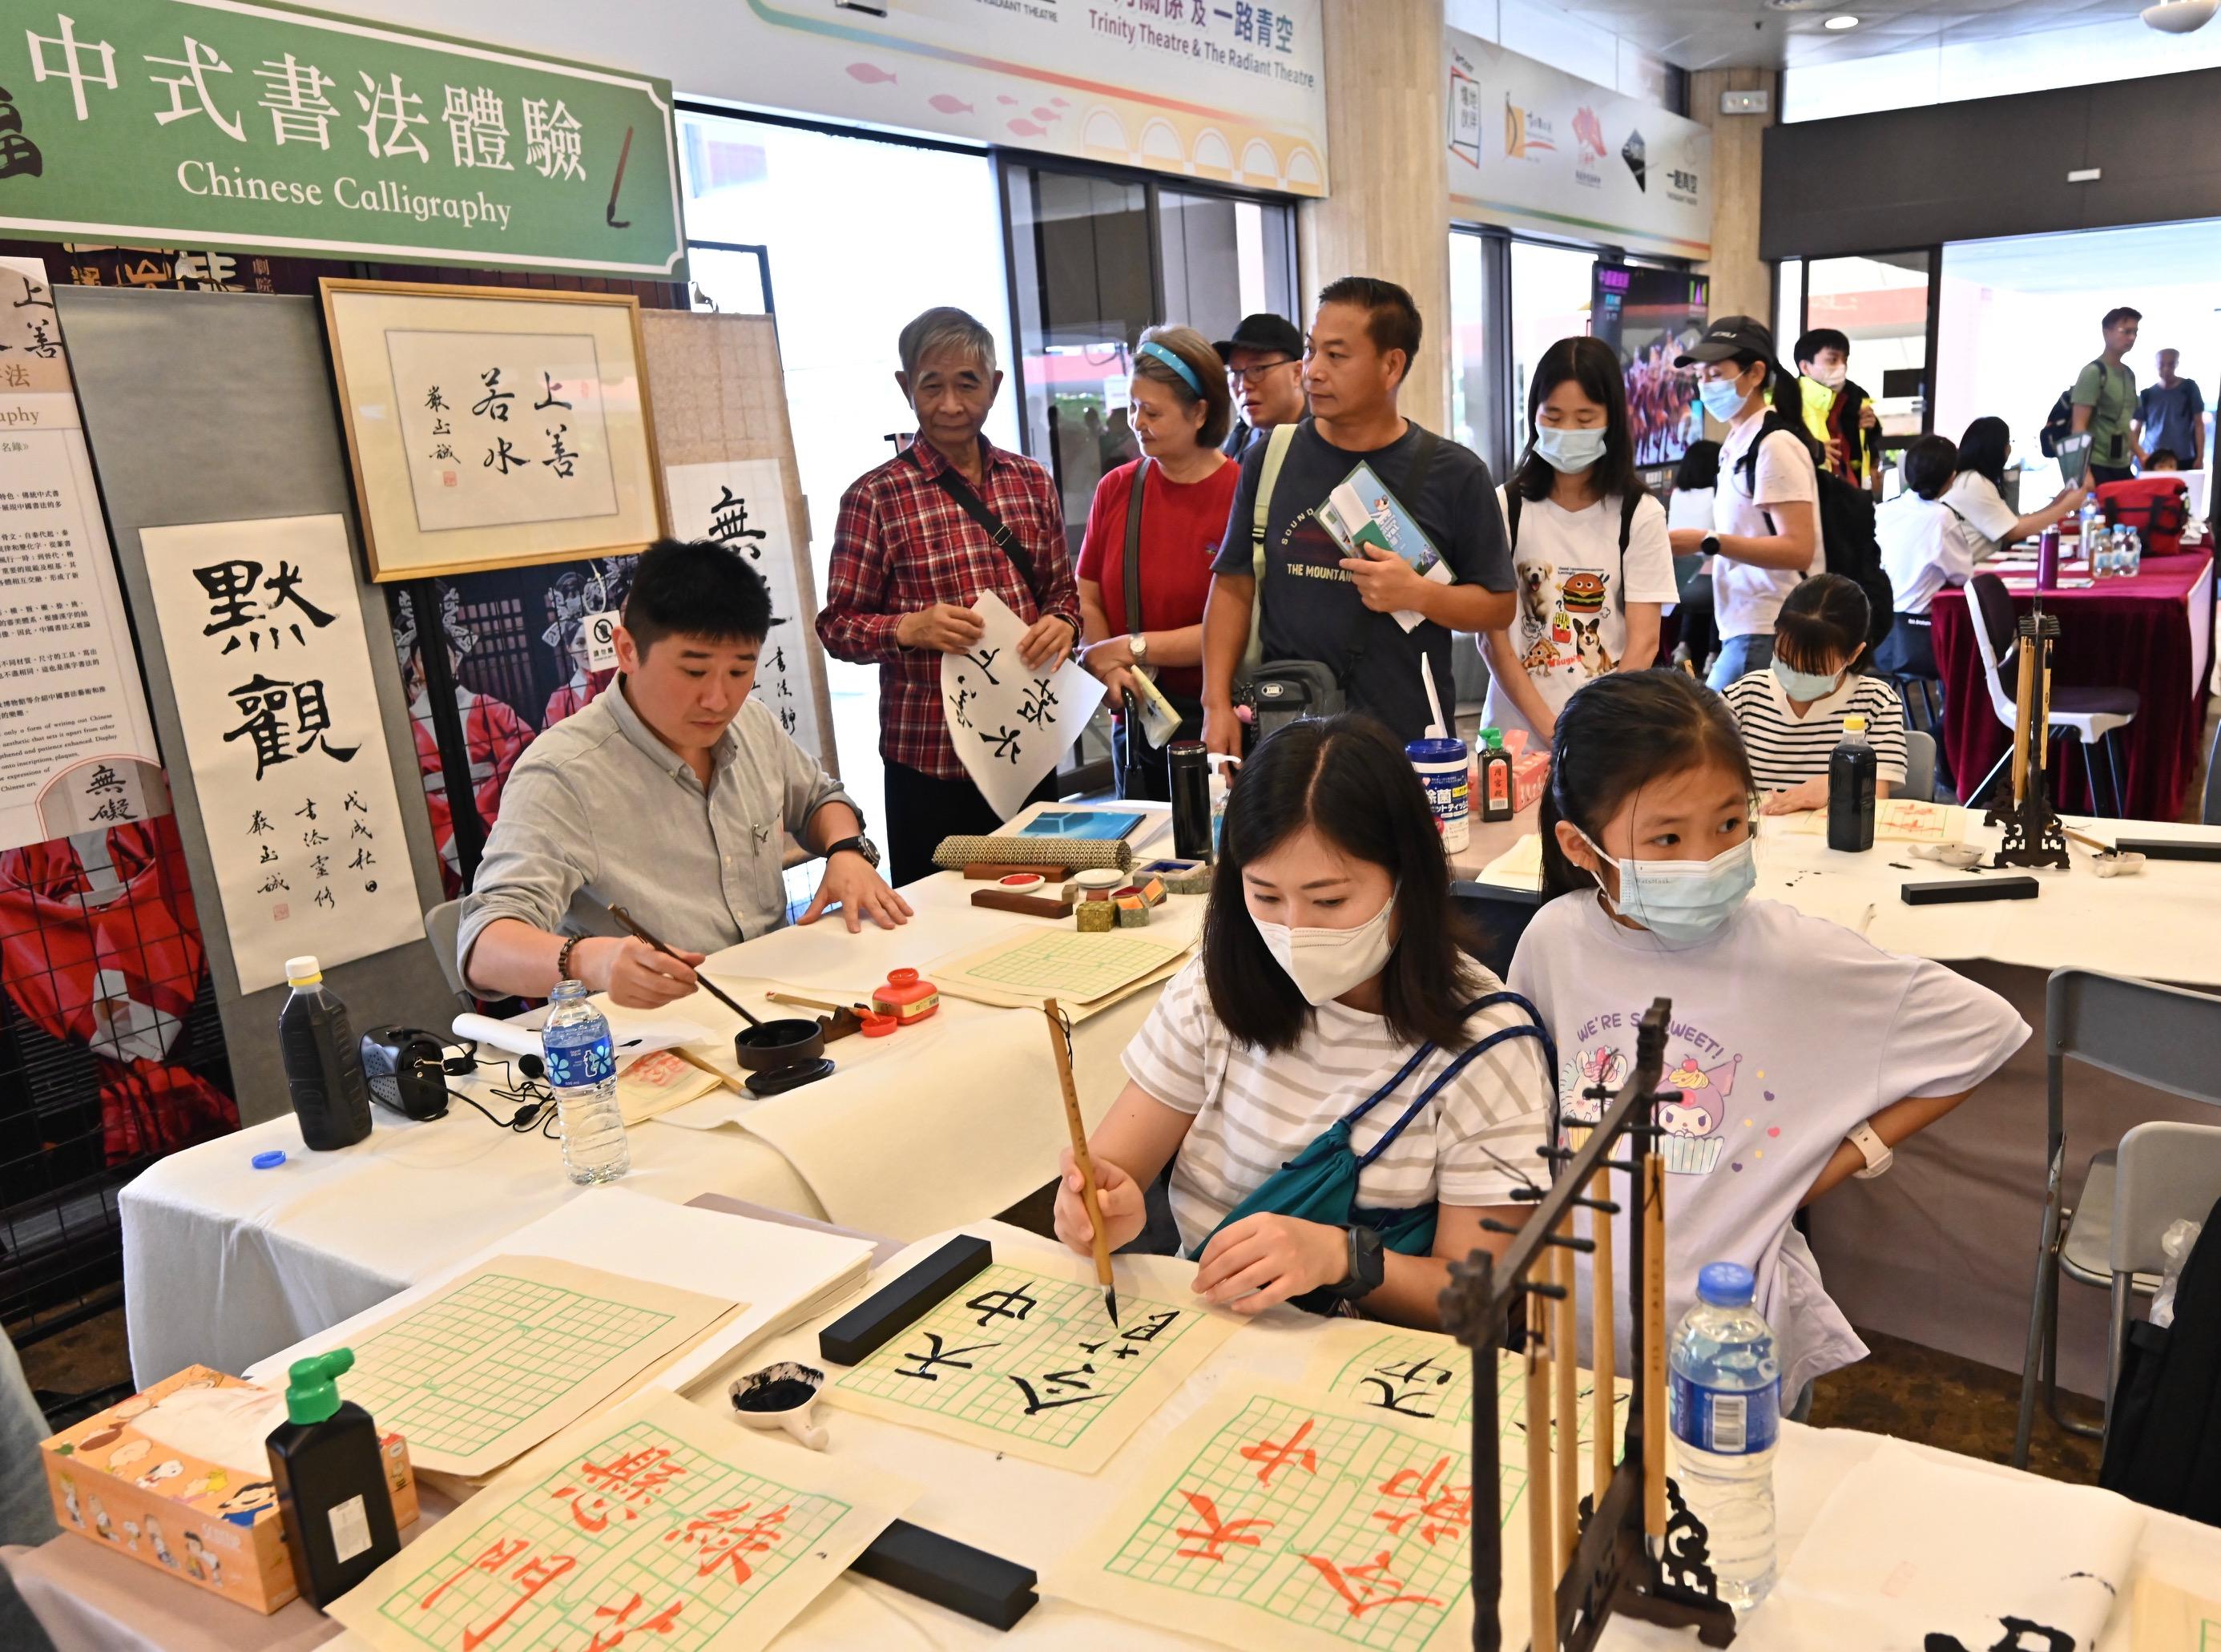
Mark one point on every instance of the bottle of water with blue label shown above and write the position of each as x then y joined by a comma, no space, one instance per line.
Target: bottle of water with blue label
582,1070
1725,1406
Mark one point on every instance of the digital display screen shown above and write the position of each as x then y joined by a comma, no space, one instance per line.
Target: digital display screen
1650,316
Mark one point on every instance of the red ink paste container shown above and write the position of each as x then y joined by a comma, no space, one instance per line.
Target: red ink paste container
905,997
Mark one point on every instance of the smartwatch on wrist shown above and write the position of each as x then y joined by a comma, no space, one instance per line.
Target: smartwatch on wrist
862,845
1367,1267
1710,545
1878,1153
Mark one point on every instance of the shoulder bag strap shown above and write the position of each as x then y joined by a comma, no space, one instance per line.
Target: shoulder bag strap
1627,509
1511,516
1133,496
993,525
1276,454
1531,1028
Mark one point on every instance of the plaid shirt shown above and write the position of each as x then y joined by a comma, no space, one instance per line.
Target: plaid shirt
902,544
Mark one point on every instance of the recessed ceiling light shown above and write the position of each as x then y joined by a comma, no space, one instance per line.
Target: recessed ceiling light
1840,23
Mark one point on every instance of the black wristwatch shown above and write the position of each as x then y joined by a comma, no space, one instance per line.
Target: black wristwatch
1710,545
1367,1267
861,844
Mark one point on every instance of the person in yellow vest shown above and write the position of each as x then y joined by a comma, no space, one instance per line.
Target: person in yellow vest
1840,416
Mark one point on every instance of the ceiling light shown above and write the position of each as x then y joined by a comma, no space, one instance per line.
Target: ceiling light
1840,23
2180,17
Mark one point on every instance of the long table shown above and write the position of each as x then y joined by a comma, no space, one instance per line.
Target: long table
946,1121
1941,1251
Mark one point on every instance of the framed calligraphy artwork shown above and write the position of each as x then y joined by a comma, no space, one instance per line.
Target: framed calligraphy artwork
493,427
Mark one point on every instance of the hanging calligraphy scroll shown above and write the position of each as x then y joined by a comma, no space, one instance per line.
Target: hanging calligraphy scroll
262,626
490,426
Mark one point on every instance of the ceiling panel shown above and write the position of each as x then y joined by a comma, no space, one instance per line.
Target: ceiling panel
1712,33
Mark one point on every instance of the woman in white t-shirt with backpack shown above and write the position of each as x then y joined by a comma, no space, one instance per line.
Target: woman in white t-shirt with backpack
1766,520
1591,562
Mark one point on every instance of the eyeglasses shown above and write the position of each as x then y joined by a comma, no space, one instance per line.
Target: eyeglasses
1239,375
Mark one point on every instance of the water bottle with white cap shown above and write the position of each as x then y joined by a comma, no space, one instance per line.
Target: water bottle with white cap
1724,1401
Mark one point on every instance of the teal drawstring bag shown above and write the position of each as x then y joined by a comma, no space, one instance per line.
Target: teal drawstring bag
1320,1183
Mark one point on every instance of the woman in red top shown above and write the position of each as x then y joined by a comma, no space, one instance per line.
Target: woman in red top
1181,408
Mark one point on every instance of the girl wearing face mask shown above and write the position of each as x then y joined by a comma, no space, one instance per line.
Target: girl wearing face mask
1790,715
1799,1053
1591,563
1766,525
1333,1081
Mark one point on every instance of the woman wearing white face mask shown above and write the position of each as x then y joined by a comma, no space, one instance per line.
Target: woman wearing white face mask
1591,563
1333,1021
1791,715
1766,523
1799,1053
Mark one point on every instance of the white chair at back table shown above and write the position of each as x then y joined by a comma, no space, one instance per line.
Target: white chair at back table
2164,1036
2092,716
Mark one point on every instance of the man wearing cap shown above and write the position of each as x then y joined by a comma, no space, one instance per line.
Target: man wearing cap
1265,366
1766,521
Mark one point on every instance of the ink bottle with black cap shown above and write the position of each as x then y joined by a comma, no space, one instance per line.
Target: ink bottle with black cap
330,1478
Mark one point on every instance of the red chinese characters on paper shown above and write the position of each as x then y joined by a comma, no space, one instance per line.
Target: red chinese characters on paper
1440,1511
616,1489
719,1538
1367,1587
535,1574
608,1639
1214,1534
1270,1456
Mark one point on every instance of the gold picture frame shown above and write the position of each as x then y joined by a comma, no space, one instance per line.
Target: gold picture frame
493,427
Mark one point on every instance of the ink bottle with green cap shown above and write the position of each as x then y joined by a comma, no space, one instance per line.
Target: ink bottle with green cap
330,1478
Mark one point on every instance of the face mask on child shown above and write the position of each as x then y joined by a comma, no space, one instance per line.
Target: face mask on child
1721,398
1568,450
1327,963
1831,377
1684,900
1805,686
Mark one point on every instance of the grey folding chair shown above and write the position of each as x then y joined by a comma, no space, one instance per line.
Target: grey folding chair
443,925
2165,1171
1920,766
2162,1036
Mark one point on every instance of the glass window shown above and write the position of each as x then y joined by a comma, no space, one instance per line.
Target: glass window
1223,258
916,227
1550,289
1881,303
730,280
1472,409
1789,303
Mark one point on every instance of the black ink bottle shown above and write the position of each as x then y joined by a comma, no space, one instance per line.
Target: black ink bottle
331,1495
323,1063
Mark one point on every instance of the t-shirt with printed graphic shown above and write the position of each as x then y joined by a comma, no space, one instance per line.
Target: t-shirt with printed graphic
1310,608
1787,1032
1570,625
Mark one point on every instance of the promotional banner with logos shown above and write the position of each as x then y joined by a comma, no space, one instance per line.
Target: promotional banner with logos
238,125
1532,147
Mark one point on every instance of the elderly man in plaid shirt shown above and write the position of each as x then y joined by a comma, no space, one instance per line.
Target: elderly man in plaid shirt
918,541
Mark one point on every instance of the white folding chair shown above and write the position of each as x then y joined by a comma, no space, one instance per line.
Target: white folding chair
2090,716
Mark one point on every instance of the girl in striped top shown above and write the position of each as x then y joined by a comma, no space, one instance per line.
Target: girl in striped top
1790,715
1335,1009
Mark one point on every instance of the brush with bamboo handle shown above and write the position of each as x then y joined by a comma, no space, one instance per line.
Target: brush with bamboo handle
1061,1045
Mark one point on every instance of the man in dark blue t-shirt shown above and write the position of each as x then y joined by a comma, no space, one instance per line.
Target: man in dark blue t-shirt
2171,414
1321,604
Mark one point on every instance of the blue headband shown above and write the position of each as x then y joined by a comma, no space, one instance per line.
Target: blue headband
1157,351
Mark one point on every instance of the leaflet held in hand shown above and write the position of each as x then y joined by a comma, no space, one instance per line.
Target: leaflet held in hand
1363,515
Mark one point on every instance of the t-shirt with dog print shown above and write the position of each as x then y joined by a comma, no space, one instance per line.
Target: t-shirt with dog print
1787,1032
1570,626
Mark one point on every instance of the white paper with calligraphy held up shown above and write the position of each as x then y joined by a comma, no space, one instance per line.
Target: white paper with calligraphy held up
263,629
77,748
1011,725
741,503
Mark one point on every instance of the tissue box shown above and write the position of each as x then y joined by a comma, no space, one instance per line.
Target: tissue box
1531,772
216,1526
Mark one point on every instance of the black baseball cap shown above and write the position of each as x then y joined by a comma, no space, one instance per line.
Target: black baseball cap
1264,331
1728,337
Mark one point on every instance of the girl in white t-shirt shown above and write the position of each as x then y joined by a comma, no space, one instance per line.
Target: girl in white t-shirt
1334,1017
1976,495
1801,1053
1590,559
1766,523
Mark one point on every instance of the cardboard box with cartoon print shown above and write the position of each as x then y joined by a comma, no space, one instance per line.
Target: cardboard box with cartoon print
177,1477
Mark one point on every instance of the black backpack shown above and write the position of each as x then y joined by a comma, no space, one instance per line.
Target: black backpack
2164,1447
2059,423
1846,517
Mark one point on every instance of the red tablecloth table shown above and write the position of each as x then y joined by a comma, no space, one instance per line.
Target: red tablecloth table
2153,633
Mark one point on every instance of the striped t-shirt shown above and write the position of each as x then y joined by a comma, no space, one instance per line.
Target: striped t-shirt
1254,1111
1787,749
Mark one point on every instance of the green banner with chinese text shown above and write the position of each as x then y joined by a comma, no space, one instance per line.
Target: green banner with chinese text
237,123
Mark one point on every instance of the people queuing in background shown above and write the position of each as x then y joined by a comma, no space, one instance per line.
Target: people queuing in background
1791,1033
1839,414
919,539
1976,495
1312,601
1590,558
1182,487
1790,715
493,734
1696,483
2171,418
1922,551
1118,444
2104,400
1766,526
1265,366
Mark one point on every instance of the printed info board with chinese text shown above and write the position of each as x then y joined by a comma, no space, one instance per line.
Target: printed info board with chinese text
77,748
515,1350
262,626
1274,1518
1010,725
1022,1359
651,1525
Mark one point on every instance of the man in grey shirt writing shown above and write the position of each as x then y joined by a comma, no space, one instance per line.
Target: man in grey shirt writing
671,795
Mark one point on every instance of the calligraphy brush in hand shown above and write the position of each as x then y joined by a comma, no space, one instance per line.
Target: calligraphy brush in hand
700,980
1060,1038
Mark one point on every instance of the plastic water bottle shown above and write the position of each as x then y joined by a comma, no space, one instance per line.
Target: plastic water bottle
2089,520
1852,770
323,1062
1725,1405
582,1070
